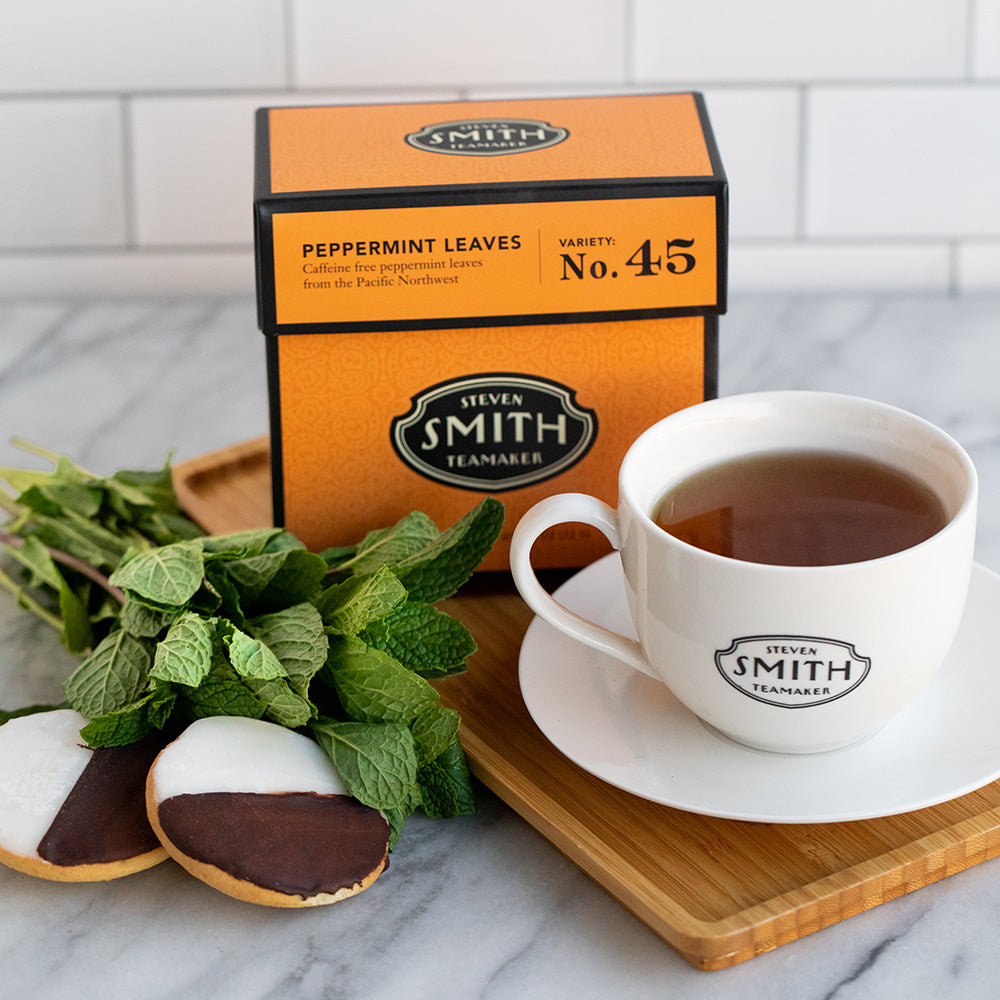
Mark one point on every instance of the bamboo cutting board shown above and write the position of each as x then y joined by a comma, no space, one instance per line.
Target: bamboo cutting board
718,891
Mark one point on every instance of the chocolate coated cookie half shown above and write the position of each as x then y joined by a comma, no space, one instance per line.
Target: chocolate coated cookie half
260,813
68,812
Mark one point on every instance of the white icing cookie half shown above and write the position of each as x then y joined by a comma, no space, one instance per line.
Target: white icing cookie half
70,813
260,813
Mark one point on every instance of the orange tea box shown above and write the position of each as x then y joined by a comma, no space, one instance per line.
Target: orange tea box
488,297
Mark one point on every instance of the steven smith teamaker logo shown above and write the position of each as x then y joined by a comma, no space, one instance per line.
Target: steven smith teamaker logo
494,431
792,671
487,136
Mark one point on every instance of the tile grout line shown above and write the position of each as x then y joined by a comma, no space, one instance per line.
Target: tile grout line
970,41
802,163
291,51
129,190
628,40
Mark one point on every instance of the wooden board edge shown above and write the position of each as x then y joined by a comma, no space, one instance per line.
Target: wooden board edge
756,930
662,915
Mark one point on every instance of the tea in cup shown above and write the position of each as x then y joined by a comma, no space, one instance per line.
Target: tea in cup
796,563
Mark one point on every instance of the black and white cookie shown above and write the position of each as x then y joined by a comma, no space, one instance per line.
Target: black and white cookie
68,812
260,813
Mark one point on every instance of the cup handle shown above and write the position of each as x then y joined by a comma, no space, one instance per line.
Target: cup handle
547,513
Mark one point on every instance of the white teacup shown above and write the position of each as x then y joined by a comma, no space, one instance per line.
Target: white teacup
792,659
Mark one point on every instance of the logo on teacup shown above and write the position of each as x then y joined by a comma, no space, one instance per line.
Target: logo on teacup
792,671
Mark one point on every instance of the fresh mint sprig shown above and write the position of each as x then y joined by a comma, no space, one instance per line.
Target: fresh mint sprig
176,625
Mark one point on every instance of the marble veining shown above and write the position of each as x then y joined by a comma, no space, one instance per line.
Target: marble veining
480,907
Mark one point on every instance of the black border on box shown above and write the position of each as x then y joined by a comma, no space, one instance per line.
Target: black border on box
267,204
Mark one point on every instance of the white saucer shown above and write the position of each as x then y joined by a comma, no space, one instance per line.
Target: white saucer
631,732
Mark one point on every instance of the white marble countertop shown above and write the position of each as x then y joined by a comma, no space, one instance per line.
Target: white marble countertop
481,907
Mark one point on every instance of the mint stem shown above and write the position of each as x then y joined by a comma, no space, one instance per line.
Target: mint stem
51,456
85,569
28,602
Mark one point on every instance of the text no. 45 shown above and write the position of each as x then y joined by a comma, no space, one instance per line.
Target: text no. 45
646,262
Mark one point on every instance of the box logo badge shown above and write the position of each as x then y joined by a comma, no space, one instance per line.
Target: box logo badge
494,431
487,136
792,671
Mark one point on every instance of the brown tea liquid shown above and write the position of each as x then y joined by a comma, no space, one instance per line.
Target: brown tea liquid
801,508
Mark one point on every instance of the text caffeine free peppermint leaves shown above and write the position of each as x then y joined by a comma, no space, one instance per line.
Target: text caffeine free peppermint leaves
339,645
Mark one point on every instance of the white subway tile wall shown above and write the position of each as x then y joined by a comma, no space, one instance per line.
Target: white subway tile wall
919,162
986,40
458,43
861,138
124,46
788,40
62,173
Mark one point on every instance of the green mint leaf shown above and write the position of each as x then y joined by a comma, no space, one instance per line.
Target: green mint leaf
145,488
80,538
424,639
350,606
67,471
54,498
35,557
144,622
115,675
298,578
434,730
272,580
372,686
376,761
222,692
443,566
396,818
169,575
323,695
219,583
184,654
446,786
163,697
82,499
37,498
283,541
105,617
127,500
108,538
391,546
252,658
250,574
133,722
281,703
337,556
240,544
21,480
207,599
77,635
377,634
297,639
163,528
146,500
118,729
